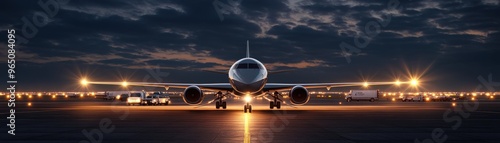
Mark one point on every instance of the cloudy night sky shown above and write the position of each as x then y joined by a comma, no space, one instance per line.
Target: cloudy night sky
448,44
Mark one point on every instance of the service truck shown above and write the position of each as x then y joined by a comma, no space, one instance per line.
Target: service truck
358,95
139,98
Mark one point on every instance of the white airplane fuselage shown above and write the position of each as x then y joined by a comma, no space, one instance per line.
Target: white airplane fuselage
247,76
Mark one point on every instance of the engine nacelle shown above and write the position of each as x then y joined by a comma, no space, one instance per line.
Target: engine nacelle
193,95
299,95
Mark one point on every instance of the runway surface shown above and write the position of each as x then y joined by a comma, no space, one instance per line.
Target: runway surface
82,120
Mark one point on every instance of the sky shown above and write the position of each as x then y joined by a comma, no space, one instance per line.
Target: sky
448,45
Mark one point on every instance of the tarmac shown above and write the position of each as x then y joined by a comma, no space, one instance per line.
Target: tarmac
89,120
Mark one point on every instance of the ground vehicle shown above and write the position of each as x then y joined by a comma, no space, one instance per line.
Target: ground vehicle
160,99
415,97
147,100
123,97
136,97
112,95
369,95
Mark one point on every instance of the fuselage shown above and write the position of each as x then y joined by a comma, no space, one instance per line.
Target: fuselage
247,76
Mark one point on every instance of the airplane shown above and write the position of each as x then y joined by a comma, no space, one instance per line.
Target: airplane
247,77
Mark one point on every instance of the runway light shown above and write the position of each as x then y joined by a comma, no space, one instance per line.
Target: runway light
53,96
473,99
427,99
118,97
414,82
248,98
84,82
393,99
39,94
491,97
398,82
81,95
124,84
340,103
66,96
453,104
29,103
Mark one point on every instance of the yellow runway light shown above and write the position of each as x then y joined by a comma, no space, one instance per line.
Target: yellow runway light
84,82
124,84
414,82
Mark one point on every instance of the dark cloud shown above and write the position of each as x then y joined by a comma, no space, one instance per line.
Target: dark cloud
455,38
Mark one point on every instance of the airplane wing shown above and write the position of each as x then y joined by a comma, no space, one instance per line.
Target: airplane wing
203,86
287,86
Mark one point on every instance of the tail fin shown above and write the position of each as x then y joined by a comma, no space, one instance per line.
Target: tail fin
248,50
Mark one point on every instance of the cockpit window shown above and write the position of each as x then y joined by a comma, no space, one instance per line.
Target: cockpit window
242,66
247,66
253,66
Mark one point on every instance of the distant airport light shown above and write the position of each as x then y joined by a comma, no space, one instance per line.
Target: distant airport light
427,99
453,104
491,97
39,94
393,99
124,84
84,82
53,96
81,95
29,96
66,96
340,103
29,103
118,97
473,99
365,84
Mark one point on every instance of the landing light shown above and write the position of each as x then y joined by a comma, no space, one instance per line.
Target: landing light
248,98
365,84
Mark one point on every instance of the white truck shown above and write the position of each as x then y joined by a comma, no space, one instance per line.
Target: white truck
357,95
137,97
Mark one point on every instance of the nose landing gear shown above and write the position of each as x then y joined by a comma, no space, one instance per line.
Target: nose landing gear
247,108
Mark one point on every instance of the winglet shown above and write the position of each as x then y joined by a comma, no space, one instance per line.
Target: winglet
248,50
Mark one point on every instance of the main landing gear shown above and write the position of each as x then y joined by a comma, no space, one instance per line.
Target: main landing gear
219,100
277,101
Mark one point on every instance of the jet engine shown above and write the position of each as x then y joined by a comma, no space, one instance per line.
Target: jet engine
193,95
299,95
